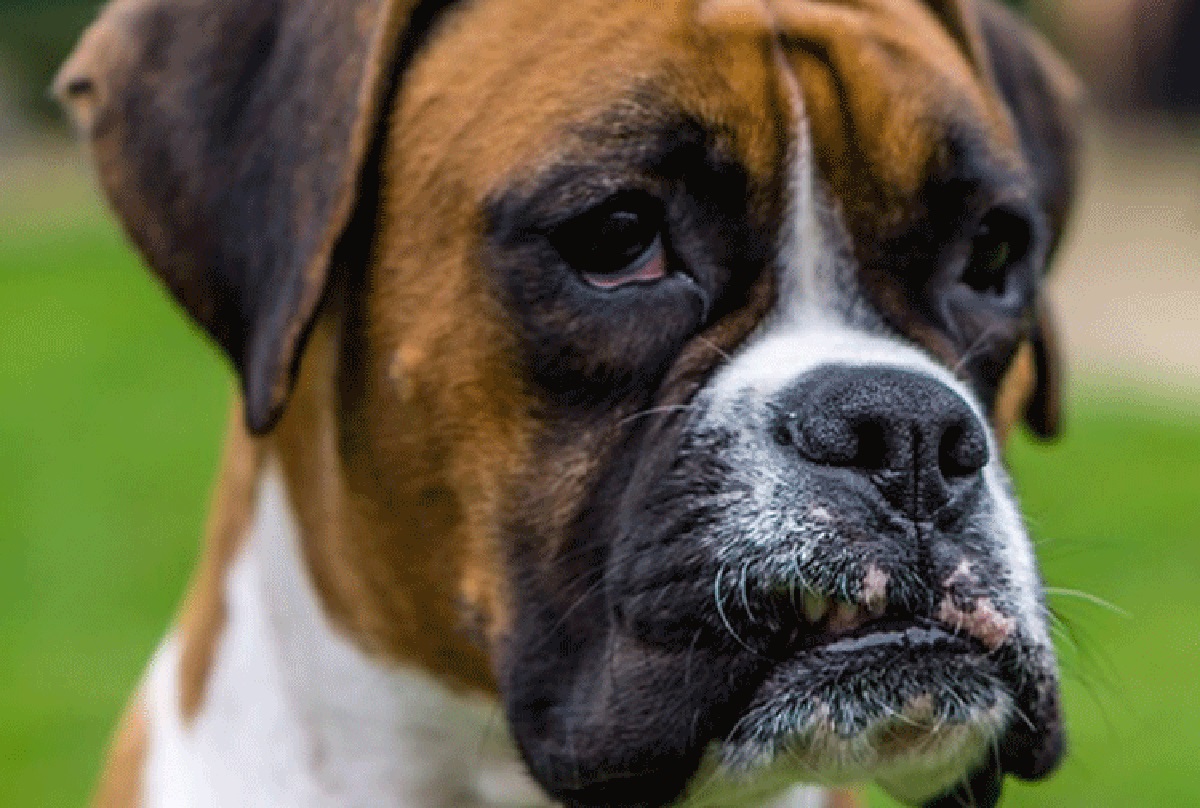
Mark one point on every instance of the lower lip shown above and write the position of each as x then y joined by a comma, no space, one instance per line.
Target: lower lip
831,690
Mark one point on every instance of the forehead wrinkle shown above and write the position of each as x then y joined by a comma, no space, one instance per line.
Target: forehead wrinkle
807,253
805,256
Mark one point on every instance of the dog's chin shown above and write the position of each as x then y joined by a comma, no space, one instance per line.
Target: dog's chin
908,705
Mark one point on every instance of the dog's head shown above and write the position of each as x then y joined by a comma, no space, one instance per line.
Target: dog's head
693,327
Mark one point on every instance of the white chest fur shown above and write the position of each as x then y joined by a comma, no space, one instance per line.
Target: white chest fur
295,715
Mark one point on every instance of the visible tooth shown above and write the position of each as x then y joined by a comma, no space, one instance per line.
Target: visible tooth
876,606
815,607
846,617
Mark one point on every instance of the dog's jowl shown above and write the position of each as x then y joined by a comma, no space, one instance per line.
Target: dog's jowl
624,388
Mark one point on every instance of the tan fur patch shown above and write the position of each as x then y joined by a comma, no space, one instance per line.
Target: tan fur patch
843,799
384,540
878,76
1014,393
120,785
203,615
874,591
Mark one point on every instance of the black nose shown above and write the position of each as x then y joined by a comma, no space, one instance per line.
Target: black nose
915,439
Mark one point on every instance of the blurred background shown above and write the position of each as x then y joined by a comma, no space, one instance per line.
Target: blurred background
111,412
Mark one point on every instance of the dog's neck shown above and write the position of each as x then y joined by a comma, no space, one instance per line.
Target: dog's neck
319,661
382,536
294,714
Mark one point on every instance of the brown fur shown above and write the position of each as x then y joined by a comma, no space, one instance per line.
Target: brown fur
386,545
204,611
121,782
1015,392
461,408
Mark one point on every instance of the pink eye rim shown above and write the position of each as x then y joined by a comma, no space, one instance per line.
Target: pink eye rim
648,268
618,242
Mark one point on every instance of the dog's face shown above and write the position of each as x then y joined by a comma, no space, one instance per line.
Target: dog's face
704,323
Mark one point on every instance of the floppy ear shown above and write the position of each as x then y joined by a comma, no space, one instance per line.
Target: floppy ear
230,137
1043,412
1045,100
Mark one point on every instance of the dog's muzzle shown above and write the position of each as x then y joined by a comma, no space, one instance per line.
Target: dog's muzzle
821,571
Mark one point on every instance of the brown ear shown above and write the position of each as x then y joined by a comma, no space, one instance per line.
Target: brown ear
1045,101
230,136
1043,412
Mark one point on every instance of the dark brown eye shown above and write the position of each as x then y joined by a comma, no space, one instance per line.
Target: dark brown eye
616,243
1000,243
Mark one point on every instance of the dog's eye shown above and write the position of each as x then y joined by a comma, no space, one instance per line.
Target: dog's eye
1000,242
616,243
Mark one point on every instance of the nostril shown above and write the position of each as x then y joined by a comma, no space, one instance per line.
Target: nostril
829,441
817,438
870,448
963,450
859,443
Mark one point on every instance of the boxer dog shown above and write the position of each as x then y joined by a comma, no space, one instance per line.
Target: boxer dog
623,387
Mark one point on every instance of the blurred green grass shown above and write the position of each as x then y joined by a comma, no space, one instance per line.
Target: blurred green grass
111,410
110,418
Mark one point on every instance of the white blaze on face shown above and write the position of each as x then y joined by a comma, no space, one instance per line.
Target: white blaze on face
807,289
822,317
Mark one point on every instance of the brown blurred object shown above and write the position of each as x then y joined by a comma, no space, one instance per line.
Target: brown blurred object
1126,285
1141,53
1128,278
1177,78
